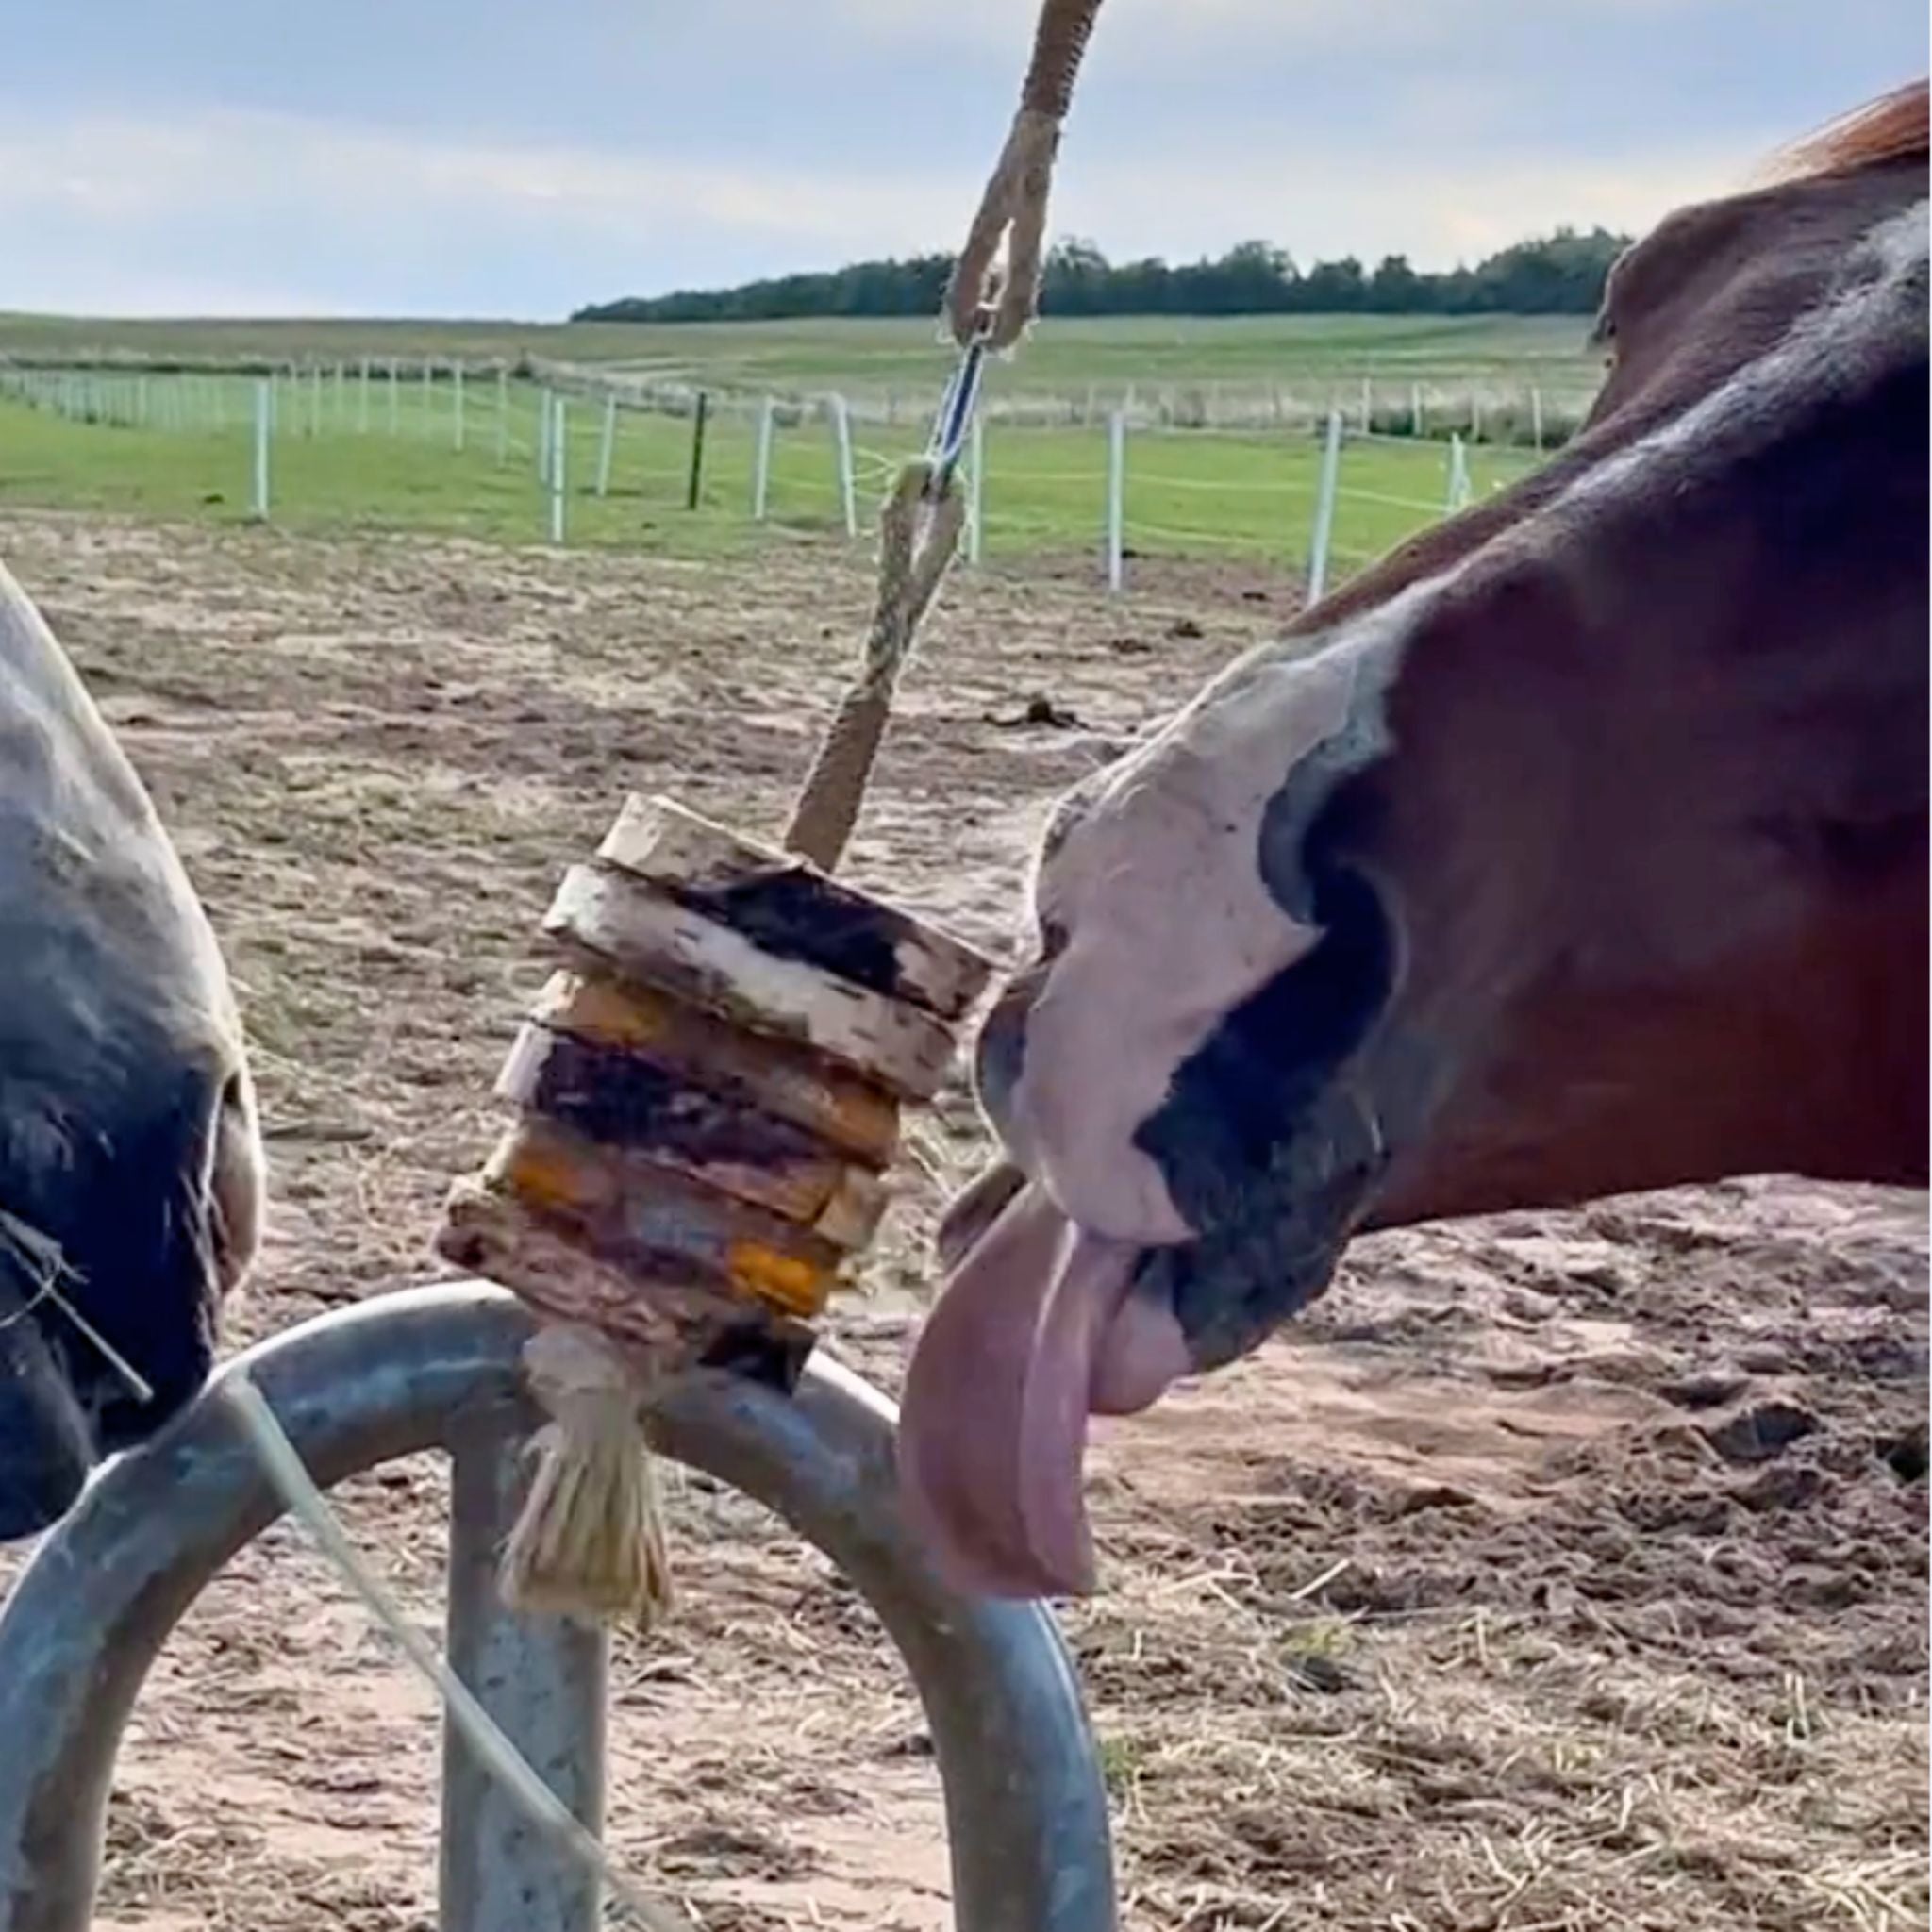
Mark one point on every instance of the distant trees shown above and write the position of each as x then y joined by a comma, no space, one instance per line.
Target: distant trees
1556,275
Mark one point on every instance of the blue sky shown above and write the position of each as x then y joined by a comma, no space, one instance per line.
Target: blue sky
503,159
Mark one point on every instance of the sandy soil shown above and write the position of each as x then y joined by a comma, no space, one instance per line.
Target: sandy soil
1560,1572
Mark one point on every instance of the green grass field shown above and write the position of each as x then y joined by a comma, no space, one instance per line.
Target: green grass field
391,462
1060,358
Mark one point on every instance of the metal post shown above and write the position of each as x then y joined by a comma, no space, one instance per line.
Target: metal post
842,444
606,446
560,450
761,459
1324,508
975,491
694,488
543,1681
1116,499
264,409
455,401
421,1369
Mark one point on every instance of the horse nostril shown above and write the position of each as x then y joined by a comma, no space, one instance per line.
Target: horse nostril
1001,1049
237,1180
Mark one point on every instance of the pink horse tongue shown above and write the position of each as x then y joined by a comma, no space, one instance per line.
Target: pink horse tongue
1034,1329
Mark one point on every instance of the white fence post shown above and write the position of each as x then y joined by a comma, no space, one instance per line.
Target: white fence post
455,403
1458,475
140,400
264,409
502,417
761,460
976,491
1116,498
607,448
395,396
1475,416
1416,425
1368,405
1535,416
342,409
841,440
558,447
315,400
543,423
1324,508
363,400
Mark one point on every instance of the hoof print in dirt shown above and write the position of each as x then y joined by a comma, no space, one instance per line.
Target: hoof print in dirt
1185,627
1760,1433
1905,1455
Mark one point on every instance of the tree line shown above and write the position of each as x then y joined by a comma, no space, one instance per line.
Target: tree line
1554,275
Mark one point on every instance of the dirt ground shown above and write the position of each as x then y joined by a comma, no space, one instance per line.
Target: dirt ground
1559,1572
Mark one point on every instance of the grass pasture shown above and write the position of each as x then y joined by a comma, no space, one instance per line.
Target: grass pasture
176,446
873,355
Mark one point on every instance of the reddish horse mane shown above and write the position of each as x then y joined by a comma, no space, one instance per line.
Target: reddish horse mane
1891,128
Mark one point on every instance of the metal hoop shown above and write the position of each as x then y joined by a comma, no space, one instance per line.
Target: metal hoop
436,1368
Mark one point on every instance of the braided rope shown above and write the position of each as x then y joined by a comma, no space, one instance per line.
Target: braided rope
911,564
984,301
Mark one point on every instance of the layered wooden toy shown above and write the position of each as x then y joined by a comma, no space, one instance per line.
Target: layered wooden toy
708,1095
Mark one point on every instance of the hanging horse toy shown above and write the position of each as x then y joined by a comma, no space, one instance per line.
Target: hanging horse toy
709,1087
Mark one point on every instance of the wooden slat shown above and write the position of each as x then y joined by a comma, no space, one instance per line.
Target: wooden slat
829,1101
646,936
627,1105
660,1228
488,1232
788,907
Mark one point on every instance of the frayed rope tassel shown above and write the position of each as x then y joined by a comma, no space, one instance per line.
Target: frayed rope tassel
589,1542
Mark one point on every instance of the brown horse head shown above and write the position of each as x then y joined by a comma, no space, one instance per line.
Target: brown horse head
130,1165
1579,847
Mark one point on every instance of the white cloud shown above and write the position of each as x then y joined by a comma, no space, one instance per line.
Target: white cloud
256,212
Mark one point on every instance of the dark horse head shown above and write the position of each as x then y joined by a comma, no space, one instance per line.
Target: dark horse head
1579,847
131,1166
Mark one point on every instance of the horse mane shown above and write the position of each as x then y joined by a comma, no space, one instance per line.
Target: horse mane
1891,128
